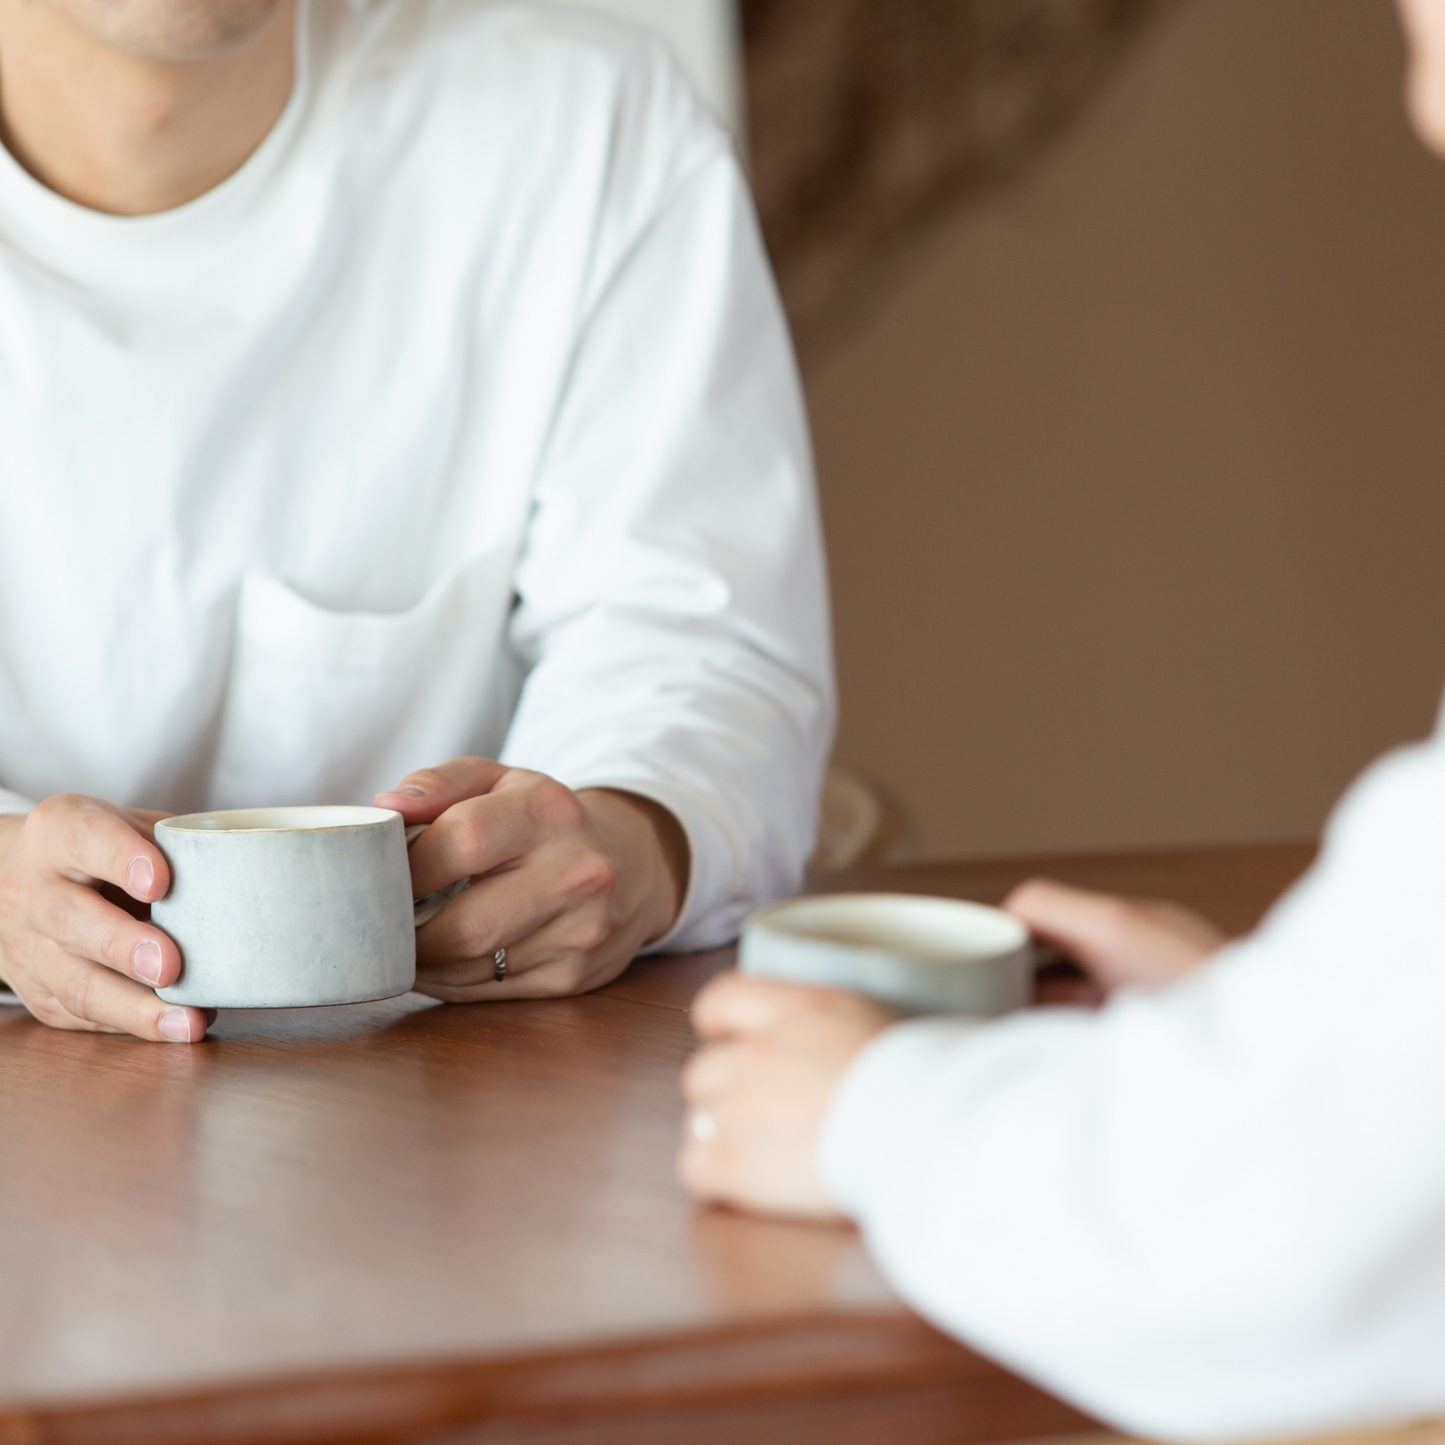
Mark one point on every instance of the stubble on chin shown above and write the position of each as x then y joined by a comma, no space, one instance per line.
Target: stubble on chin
171,32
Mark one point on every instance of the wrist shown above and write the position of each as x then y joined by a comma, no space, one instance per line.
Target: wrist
650,852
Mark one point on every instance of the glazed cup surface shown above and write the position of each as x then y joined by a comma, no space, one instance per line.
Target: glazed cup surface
919,954
287,907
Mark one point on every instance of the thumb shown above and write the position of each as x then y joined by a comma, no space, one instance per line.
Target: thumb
423,796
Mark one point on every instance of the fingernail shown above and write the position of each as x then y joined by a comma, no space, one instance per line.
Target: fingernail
409,790
140,877
175,1026
145,959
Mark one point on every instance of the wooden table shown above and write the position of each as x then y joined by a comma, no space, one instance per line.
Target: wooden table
408,1221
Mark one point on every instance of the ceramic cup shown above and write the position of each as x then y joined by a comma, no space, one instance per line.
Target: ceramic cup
288,907
923,955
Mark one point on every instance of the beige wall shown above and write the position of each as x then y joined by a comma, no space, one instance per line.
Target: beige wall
1136,493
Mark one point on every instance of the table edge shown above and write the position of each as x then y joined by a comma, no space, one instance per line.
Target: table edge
817,1354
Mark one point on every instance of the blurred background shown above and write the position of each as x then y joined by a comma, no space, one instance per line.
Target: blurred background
1123,329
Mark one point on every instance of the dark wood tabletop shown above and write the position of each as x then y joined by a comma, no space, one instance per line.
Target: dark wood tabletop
423,1222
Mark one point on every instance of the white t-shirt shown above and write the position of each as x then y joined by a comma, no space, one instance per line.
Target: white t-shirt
461,419
1211,1212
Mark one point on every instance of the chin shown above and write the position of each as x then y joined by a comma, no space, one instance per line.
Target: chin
177,32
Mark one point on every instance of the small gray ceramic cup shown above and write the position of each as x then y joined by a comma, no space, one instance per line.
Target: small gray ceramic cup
288,907
922,955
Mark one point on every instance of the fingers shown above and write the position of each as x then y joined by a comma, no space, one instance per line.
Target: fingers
1074,919
545,883
734,1005
82,923
499,912
473,837
423,796
756,1103
88,840
80,995
565,956
711,1072
1121,941
525,816
76,959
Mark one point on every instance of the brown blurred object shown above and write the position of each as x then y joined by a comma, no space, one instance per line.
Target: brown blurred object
859,824
872,121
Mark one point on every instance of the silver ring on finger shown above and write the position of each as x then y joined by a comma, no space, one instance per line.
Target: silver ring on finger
499,965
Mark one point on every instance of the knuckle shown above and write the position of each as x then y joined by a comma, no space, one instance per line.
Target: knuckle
24,953
593,873
588,934
54,914
554,807
46,813
559,977
77,997
48,1009
73,826
464,841
111,947
573,977
476,934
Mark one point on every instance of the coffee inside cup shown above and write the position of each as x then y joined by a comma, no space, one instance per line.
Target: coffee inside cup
278,820
938,930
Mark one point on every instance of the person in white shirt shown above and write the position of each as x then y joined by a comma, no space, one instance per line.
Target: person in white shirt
1214,1208
384,383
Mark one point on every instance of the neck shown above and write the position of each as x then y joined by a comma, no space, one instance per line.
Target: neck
133,136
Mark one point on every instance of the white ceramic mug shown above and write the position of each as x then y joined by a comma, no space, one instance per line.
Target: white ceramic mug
923,955
288,907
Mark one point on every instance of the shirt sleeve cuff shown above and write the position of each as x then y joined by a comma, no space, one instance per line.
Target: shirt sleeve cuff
866,1138
12,804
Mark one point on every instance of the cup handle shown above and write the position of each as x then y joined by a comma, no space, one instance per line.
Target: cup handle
1050,962
425,909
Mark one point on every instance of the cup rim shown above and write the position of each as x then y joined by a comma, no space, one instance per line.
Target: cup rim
230,822
1010,934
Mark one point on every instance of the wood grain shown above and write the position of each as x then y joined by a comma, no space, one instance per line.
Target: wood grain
405,1220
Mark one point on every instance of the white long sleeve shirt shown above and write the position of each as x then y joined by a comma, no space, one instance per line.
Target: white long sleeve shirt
462,419
1213,1211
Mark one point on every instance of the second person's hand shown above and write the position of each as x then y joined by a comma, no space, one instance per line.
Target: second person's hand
571,885
760,1088
1119,942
